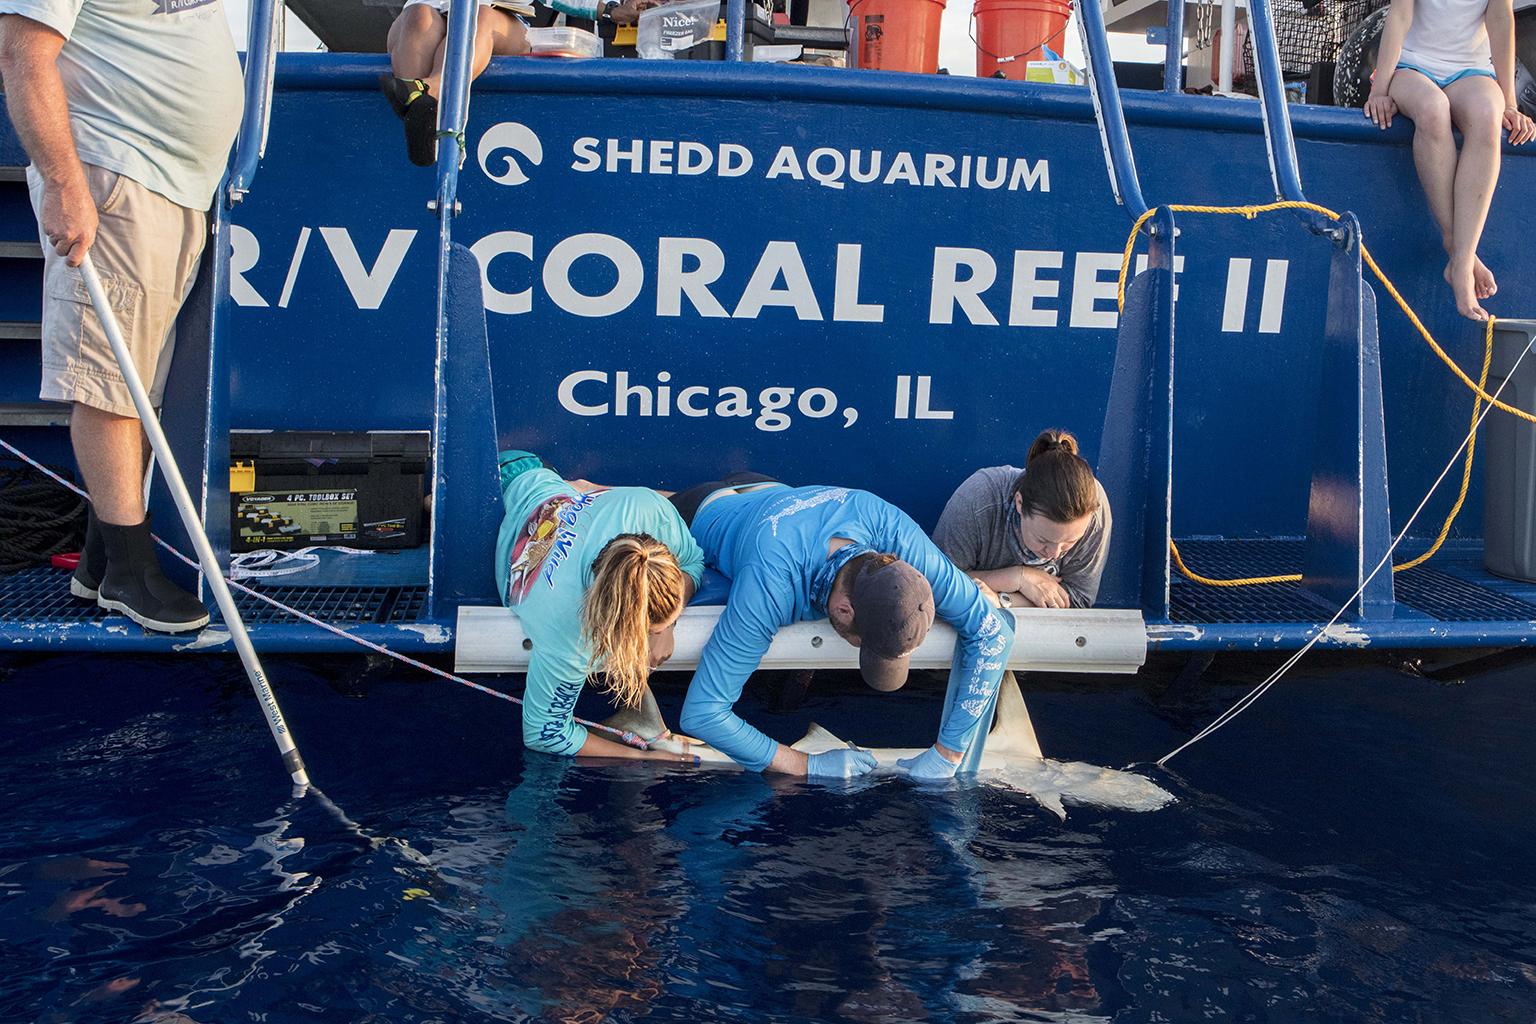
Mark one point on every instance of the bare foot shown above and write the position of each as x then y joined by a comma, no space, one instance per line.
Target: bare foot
1482,279
1464,286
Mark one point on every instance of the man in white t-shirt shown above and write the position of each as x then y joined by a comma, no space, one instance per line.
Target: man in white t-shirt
127,109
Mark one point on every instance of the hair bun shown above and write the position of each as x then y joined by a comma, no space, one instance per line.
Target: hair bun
1062,487
1052,441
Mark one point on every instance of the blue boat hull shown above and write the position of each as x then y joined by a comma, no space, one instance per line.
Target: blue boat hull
877,280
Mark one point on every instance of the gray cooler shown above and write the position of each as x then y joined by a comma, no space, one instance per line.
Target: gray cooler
1509,465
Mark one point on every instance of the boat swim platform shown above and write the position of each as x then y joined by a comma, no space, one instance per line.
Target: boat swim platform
1449,602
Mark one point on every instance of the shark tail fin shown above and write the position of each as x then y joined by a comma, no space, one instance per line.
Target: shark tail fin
1013,733
817,739
644,720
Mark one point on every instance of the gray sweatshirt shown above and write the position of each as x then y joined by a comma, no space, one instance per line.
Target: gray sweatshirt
979,531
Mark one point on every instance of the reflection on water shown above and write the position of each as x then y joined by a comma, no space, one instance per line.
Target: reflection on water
1353,857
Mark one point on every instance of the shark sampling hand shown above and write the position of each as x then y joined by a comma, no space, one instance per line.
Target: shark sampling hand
1011,757
929,766
846,762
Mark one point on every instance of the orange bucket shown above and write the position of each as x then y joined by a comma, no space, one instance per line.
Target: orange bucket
1009,34
898,35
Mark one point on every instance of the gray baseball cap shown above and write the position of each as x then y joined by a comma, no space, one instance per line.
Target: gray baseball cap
893,609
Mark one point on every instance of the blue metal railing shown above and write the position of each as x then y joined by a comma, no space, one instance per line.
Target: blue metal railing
453,105
1106,104
1173,55
260,63
735,29
1279,140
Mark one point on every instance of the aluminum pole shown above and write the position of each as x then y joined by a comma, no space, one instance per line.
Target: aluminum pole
212,572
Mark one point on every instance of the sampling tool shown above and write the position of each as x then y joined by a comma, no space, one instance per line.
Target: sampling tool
212,572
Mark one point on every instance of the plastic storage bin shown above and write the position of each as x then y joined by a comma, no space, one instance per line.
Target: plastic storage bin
561,41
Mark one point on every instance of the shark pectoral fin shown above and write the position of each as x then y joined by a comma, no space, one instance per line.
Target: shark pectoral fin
817,739
643,720
1013,733
1052,803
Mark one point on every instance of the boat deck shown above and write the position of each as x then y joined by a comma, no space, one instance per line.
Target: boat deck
1450,602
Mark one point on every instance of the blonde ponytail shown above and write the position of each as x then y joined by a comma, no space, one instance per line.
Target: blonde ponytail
636,584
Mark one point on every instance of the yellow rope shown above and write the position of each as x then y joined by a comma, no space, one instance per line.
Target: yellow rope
1445,528
1478,388
1466,466
1290,204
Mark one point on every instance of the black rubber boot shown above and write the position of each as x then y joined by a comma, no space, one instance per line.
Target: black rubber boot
93,561
135,586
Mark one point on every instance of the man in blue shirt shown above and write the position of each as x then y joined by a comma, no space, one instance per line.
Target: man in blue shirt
830,552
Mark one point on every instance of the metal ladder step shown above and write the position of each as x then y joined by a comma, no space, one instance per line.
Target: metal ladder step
33,414
23,330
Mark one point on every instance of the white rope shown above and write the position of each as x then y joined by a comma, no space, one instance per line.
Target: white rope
1253,695
268,563
624,736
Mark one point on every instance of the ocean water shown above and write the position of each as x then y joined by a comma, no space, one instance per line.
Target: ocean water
1359,847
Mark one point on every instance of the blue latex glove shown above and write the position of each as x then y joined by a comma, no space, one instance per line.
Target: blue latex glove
930,765
847,763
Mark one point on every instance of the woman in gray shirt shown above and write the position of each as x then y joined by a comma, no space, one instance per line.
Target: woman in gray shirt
1038,536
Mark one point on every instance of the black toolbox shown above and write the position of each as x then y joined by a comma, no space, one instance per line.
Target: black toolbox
298,489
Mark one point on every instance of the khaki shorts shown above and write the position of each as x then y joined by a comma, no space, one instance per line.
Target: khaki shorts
147,251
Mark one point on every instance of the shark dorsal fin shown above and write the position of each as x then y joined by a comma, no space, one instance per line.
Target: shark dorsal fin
1012,731
644,720
817,739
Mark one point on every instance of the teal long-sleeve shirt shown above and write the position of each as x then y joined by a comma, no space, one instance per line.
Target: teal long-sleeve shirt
772,543
549,538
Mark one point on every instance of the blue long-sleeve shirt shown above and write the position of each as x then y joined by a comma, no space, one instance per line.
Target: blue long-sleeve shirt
772,544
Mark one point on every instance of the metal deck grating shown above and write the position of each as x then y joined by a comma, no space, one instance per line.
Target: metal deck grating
1451,589
339,606
1440,594
1452,599
42,595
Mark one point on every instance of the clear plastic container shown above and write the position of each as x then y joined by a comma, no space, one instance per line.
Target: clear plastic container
564,42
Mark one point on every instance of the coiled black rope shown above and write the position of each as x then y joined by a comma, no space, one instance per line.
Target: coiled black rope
38,518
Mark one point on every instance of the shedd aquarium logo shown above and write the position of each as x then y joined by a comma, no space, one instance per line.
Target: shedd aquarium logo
505,147
501,145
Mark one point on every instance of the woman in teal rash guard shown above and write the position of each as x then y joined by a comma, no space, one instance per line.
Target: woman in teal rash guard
598,577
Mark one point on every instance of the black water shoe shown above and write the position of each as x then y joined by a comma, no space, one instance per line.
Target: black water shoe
93,560
135,586
421,130
402,92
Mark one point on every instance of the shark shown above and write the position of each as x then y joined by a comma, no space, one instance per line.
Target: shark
1011,756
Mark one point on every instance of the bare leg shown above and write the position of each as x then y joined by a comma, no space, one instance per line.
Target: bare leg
1434,154
1477,108
1434,149
496,32
414,38
508,36
110,451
